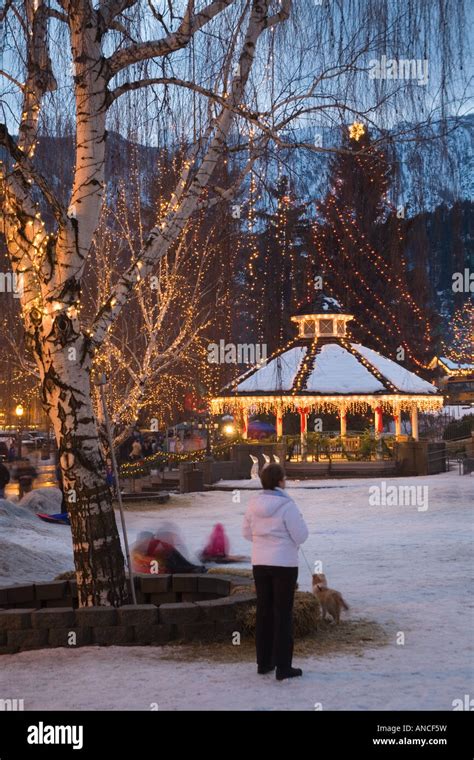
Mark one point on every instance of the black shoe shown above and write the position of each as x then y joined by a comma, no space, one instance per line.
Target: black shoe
283,673
263,669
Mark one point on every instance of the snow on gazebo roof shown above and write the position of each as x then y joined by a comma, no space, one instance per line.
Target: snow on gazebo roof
321,304
322,369
335,369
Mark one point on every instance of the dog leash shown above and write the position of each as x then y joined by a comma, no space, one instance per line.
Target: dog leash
305,559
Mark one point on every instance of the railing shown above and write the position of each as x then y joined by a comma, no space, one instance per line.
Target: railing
159,460
356,447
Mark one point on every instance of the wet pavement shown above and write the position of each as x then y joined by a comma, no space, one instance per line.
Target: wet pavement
46,476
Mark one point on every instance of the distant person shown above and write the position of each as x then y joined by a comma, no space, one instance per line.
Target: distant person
110,476
136,451
4,479
25,474
151,554
217,547
276,528
59,478
12,452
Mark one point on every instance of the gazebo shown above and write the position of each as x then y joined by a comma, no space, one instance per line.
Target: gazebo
322,371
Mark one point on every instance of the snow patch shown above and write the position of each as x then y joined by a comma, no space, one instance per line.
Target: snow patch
336,370
278,375
47,500
401,378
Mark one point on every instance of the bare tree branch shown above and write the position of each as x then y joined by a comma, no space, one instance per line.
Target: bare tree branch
109,9
25,165
177,40
12,79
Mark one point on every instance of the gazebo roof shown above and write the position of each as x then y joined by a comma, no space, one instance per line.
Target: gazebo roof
332,367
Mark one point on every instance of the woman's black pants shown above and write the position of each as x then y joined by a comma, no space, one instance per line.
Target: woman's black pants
275,588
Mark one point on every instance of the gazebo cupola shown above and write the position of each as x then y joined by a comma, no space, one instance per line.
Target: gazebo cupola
322,318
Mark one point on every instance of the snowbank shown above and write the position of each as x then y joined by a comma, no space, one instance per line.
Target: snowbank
25,565
14,516
30,549
47,500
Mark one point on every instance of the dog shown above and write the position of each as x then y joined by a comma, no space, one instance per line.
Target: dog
331,601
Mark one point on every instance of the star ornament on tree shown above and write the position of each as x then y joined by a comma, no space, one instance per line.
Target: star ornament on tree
356,131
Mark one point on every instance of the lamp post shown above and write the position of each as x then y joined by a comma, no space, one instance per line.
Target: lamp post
209,427
208,438
19,411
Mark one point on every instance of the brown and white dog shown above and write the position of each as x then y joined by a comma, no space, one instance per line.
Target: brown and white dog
331,601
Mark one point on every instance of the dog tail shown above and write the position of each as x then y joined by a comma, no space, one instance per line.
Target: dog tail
344,604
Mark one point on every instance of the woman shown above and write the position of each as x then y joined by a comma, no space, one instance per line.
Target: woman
276,528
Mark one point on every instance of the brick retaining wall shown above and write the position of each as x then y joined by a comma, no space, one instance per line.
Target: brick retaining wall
170,608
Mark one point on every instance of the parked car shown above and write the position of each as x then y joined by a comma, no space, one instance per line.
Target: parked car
28,439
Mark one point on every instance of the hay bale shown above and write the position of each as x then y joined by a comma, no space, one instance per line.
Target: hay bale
223,570
306,615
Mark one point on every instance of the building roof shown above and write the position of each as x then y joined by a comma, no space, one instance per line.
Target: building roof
455,366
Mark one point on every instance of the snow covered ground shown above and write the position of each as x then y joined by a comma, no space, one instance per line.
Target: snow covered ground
406,567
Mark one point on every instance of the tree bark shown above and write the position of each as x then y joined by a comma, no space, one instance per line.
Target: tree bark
66,396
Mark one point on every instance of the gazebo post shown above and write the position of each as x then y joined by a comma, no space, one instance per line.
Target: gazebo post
279,421
397,416
414,422
378,422
378,429
343,421
303,431
245,424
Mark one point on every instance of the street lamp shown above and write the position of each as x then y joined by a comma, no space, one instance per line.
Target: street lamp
19,411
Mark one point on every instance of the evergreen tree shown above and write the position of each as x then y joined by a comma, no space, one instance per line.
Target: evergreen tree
359,240
459,347
281,268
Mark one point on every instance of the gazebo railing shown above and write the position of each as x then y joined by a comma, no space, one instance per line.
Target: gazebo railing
356,446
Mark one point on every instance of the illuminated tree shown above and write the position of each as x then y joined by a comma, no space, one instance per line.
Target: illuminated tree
359,243
279,269
459,347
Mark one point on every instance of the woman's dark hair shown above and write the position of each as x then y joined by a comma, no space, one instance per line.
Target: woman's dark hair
271,475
